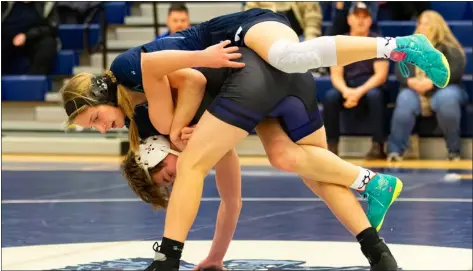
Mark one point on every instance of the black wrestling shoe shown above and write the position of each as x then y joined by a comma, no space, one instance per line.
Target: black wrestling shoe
161,262
386,261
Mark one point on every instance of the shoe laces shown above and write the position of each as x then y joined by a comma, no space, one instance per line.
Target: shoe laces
403,68
370,198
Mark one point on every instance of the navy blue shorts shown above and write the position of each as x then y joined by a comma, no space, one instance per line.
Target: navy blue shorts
234,26
259,91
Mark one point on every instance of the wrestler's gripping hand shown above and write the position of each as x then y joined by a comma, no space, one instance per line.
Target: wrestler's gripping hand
186,134
217,56
177,141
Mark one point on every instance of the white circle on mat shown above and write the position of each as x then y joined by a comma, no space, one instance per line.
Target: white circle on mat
250,255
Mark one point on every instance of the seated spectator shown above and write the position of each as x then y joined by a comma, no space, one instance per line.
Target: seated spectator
29,31
305,17
340,11
418,96
178,19
358,85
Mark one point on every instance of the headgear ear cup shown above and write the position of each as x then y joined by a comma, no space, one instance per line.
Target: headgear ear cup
103,91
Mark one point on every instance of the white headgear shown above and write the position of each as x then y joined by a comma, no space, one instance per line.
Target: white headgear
152,151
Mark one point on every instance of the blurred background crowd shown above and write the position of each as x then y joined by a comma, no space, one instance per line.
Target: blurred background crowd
370,110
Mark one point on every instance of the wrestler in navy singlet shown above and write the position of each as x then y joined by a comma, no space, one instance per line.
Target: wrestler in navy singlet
244,97
127,66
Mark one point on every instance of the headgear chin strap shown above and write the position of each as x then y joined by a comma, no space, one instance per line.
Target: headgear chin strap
153,150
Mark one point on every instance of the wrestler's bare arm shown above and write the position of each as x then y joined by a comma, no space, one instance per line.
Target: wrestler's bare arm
160,63
190,85
228,178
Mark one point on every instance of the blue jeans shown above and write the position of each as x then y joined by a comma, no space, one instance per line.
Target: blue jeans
446,103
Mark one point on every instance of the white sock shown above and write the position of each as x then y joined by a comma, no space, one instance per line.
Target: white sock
292,57
385,47
364,177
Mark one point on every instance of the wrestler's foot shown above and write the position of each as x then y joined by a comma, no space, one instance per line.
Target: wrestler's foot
380,193
417,50
380,257
161,262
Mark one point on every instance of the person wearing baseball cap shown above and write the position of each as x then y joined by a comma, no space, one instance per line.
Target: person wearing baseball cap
358,85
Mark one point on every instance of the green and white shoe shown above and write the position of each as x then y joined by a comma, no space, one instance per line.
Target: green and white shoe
381,192
417,50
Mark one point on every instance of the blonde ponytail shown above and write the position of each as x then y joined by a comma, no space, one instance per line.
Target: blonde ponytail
126,106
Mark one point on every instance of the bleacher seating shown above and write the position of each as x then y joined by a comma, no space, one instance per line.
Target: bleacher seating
117,11
453,10
65,62
72,36
24,88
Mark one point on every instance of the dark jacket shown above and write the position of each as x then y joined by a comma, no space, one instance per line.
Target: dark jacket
47,26
79,6
455,58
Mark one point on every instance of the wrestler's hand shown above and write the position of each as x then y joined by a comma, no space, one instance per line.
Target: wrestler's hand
217,56
209,263
177,141
186,134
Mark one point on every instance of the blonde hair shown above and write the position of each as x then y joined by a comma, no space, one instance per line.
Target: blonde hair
79,88
439,31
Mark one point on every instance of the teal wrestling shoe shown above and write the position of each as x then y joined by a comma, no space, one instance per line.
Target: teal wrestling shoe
417,50
380,193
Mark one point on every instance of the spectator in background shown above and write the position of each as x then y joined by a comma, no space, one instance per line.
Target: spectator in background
340,12
178,19
73,12
418,96
358,85
29,30
305,17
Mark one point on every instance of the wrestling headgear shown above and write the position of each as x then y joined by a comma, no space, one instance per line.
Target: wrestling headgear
102,90
153,150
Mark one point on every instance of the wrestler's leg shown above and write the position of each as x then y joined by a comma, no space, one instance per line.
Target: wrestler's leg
279,45
282,152
204,149
202,152
340,200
